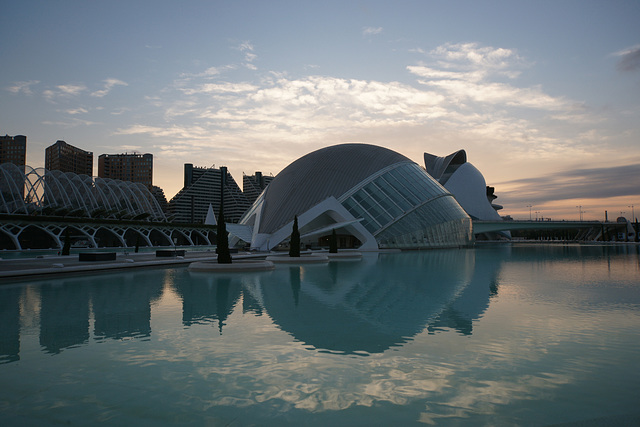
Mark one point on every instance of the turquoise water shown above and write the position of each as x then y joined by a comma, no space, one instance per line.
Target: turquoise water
496,335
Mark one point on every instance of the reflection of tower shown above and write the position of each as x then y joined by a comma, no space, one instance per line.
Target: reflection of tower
122,309
294,278
205,300
64,316
10,321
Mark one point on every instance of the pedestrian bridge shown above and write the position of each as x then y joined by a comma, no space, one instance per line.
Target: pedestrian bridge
480,227
18,233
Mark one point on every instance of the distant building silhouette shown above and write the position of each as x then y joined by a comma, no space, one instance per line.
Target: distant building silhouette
158,193
253,185
201,188
67,158
13,149
127,167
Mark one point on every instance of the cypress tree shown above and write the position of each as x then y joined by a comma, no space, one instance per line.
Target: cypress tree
66,248
222,249
294,245
333,242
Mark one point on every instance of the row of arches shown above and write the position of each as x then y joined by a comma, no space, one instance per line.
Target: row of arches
21,236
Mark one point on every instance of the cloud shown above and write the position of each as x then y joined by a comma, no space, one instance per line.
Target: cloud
247,48
108,85
588,183
64,91
371,31
23,87
79,110
224,87
74,122
464,94
629,59
474,56
464,72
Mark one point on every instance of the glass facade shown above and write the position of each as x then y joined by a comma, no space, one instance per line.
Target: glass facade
404,208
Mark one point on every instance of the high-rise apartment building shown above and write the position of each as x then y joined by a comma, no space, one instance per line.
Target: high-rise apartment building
201,188
13,149
127,167
253,185
67,158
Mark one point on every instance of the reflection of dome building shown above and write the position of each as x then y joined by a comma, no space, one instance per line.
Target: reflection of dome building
367,306
376,196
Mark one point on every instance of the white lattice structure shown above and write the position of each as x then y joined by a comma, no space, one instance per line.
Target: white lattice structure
38,190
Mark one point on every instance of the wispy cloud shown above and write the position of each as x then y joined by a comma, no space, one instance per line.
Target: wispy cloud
249,55
588,183
23,87
464,72
371,31
629,59
74,122
64,91
108,85
79,110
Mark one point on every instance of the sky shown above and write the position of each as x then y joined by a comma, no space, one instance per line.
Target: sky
544,96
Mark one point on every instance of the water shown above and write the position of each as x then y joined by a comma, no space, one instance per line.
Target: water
496,335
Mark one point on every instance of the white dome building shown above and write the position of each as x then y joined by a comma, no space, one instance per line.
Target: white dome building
465,182
378,197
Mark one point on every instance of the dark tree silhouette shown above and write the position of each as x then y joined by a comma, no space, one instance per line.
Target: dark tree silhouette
66,248
294,245
222,249
333,242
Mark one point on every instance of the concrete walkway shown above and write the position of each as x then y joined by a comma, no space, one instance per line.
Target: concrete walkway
13,270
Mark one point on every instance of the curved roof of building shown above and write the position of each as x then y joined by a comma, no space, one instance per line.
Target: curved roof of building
441,168
330,171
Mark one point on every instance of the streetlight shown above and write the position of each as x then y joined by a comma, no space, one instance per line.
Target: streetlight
529,206
580,211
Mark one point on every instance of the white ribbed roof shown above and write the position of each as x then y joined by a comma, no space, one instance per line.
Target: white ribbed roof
330,171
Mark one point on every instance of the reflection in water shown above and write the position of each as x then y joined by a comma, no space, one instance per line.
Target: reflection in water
521,335
372,305
64,316
10,324
122,309
206,298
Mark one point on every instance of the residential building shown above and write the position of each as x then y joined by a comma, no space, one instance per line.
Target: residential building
202,188
64,157
127,167
252,186
13,149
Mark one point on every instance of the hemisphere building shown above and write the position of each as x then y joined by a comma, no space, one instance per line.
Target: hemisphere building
374,196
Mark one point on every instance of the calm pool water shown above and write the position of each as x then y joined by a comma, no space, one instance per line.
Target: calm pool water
496,335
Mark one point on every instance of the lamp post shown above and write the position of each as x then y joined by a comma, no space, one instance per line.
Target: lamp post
529,206
580,211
